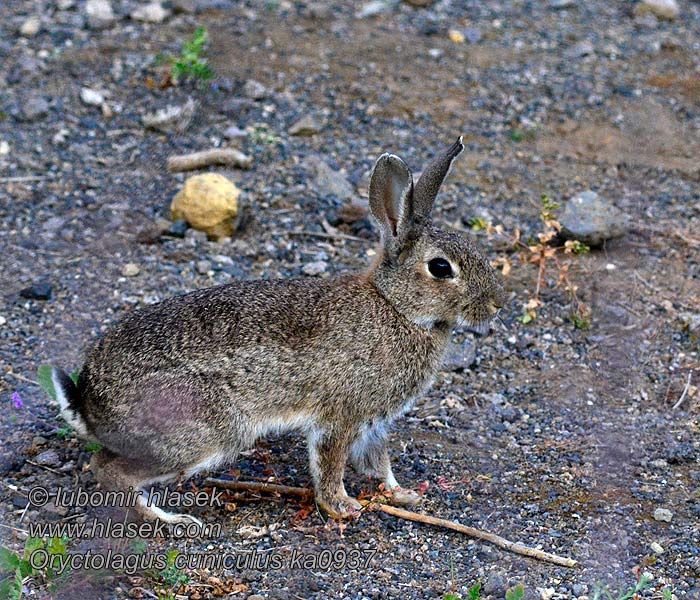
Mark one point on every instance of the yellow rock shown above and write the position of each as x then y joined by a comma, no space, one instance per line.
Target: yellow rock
208,202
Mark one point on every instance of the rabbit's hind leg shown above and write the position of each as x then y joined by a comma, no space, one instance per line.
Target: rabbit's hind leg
370,456
117,473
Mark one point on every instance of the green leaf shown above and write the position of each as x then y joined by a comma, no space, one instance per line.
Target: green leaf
43,376
75,375
451,597
93,447
475,592
57,546
25,568
526,318
515,593
9,561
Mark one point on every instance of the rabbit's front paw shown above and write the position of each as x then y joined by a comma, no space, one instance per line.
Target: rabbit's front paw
340,507
402,497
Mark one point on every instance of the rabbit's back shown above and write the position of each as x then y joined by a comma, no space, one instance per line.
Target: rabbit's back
265,352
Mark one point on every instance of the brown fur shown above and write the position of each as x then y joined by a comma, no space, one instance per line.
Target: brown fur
190,382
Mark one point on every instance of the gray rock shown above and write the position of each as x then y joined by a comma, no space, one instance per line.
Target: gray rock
203,267
150,13
130,270
34,108
315,268
662,9
663,514
306,126
184,6
495,585
460,356
65,4
579,50
254,90
327,180
561,4
233,133
38,441
99,14
171,118
38,291
48,458
31,26
370,9
91,97
592,220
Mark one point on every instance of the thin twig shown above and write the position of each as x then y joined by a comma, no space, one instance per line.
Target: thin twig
22,179
21,377
328,236
492,538
685,392
36,464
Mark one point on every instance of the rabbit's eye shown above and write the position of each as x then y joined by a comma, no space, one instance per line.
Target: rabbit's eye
440,268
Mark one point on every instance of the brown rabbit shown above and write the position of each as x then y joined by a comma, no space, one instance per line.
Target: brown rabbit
187,384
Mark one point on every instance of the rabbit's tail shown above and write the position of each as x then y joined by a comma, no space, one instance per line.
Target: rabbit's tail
68,397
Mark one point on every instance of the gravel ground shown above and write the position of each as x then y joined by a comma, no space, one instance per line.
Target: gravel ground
554,436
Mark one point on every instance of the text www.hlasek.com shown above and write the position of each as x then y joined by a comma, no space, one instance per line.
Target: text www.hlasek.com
108,528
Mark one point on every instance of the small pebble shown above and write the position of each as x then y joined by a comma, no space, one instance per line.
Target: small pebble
663,514
656,548
31,26
315,268
203,267
130,270
38,291
91,97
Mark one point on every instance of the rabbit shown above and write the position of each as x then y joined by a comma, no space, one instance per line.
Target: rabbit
186,384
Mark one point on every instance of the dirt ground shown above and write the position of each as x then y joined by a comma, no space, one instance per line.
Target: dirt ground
558,437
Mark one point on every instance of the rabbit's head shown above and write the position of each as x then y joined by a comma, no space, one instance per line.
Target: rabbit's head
433,277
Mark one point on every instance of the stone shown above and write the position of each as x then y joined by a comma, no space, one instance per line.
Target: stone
39,441
691,322
561,4
579,50
371,9
99,14
495,585
130,270
656,548
592,220
188,7
328,181
419,3
663,514
203,267
315,268
65,4
178,229
460,356
662,9
150,13
306,126
254,90
3,320
31,26
234,133
48,458
4,148
91,97
209,203
352,212
34,108
171,118
38,291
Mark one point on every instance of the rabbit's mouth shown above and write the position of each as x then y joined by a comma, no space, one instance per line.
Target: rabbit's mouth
478,328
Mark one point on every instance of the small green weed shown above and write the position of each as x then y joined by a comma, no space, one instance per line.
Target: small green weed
515,593
643,583
15,569
190,65
262,135
171,577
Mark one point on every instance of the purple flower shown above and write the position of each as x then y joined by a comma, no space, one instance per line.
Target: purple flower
17,400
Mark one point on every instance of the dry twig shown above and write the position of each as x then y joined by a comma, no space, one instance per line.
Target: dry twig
677,405
492,538
207,158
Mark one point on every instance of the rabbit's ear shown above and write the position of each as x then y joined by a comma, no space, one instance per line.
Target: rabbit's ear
391,196
430,181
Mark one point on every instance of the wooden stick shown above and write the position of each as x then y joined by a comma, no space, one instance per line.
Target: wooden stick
492,538
327,236
207,158
259,486
684,394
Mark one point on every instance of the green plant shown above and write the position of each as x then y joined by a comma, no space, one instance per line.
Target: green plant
262,135
475,592
93,447
190,65
515,593
643,583
172,577
15,569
